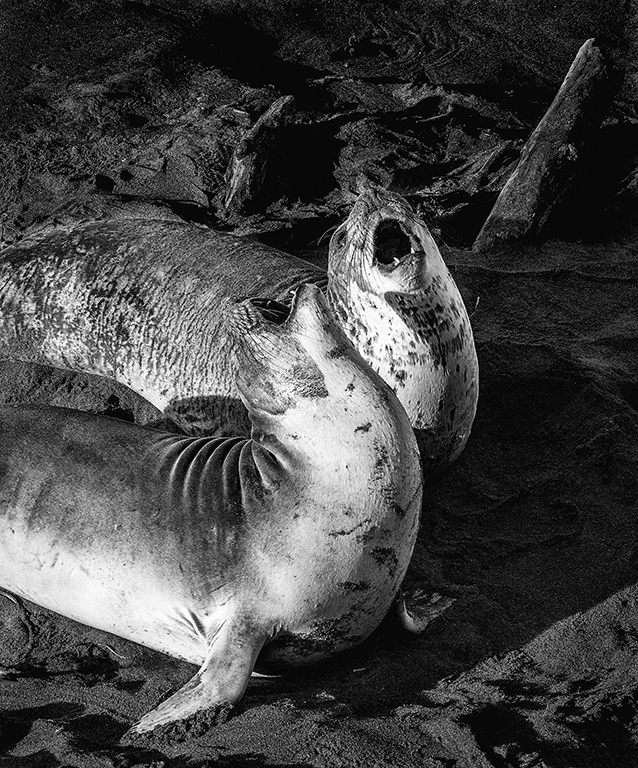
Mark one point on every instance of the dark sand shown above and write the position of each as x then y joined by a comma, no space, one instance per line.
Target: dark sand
534,530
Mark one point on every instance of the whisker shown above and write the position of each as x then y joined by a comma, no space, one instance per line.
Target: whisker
330,229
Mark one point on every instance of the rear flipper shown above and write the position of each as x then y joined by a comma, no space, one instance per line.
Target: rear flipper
209,696
420,609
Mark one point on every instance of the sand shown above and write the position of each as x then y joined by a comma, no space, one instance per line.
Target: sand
533,530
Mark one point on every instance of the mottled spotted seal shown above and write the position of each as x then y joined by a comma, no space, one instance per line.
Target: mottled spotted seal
400,307
139,301
291,544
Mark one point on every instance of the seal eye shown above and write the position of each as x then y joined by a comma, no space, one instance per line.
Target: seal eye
391,244
273,311
339,238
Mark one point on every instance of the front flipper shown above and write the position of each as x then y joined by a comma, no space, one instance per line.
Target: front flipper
423,609
209,696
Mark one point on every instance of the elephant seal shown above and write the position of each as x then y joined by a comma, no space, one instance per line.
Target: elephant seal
290,545
139,300
400,307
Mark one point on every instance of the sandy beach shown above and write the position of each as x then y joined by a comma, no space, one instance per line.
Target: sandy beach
533,530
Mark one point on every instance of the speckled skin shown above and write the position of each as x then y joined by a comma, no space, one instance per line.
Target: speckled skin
409,322
142,302
211,549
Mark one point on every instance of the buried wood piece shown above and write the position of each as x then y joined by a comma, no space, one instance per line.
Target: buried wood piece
246,171
550,156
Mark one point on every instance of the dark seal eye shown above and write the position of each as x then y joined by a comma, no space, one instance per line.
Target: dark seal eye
273,311
339,237
391,244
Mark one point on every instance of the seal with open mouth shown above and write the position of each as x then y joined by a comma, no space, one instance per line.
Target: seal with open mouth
400,307
140,301
291,545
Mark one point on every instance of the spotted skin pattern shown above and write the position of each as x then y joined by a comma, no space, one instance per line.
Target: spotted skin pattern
142,302
407,319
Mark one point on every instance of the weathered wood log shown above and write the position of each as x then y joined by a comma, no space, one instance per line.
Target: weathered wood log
247,168
550,156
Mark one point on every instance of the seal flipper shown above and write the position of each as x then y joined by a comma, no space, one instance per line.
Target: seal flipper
209,696
423,609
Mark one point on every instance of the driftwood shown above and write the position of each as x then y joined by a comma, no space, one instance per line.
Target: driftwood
550,156
246,171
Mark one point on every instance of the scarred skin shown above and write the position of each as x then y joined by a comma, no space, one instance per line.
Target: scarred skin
291,545
140,301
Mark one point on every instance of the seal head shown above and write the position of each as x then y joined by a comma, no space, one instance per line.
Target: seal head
399,305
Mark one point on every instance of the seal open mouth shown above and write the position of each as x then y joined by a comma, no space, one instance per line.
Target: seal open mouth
391,243
271,310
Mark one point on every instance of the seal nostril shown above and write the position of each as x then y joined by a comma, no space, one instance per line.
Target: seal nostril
391,243
273,311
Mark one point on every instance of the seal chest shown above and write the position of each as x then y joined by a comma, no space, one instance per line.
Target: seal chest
292,544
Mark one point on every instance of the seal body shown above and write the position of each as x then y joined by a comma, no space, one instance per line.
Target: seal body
292,544
141,301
